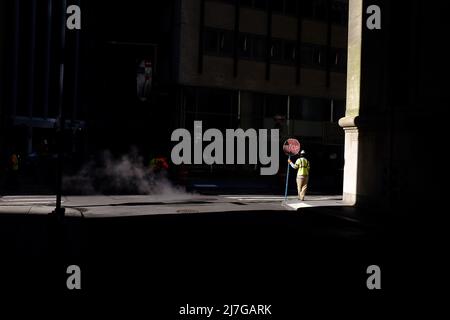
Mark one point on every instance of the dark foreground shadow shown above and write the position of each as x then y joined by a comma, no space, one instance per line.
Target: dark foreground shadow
165,260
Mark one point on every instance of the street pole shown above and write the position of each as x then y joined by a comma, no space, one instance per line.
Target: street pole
287,179
59,210
291,147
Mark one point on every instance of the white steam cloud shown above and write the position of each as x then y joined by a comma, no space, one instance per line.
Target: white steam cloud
126,174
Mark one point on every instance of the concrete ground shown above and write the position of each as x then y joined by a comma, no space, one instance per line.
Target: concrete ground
129,205
154,253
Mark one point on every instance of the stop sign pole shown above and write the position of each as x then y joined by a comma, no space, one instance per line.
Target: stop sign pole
291,147
287,179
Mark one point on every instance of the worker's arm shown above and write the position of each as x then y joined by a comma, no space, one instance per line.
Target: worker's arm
294,166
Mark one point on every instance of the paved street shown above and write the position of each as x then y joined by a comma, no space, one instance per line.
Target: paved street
129,205
225,246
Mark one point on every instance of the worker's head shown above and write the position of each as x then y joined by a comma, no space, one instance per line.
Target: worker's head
302,153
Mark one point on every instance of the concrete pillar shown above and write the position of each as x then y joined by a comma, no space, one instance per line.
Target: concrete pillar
350,159
397,96
366,121
353,101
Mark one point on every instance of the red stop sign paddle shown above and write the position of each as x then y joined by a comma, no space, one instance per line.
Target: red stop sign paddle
291,147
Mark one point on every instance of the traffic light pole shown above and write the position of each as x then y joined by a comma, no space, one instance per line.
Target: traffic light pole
59,210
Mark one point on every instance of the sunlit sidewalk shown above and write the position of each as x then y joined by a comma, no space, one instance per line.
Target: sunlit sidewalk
119,205
313,201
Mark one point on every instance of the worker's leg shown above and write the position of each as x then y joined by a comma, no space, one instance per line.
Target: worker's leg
303,187
299,186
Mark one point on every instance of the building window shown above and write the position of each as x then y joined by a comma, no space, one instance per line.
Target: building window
295,108
225,42
275,50
333,58
214,101
316,109
259,48
307,55
218,42
319,56
251,46
215,107
211,41
290,52
275,105
338,60
244,46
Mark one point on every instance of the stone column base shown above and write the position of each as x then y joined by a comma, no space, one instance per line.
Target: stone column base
350,159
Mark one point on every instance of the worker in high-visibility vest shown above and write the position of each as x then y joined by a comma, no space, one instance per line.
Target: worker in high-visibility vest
302,164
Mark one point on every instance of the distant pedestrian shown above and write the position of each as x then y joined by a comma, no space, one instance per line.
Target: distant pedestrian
13,172
159,164
302,164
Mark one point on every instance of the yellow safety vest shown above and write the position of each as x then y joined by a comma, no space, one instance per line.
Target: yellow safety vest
302,164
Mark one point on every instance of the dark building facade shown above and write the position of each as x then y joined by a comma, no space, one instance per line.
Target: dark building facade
274,61
33,54
249,64
267,64
33,66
